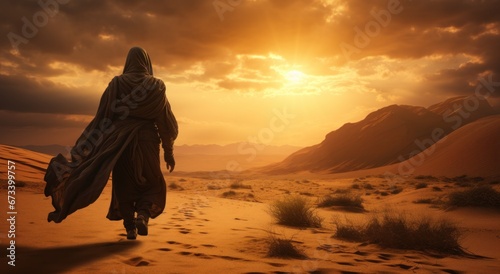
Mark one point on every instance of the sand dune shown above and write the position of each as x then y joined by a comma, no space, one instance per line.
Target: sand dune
29,164
472,150
202,232
386,136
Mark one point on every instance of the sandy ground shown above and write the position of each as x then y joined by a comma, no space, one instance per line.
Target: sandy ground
203,232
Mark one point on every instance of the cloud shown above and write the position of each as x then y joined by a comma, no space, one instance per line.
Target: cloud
179,34
23,94
430,49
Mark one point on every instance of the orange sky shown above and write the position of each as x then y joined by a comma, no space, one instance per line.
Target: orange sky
274,71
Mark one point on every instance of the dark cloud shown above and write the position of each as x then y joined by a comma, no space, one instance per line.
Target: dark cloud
15,120
22,94
179,34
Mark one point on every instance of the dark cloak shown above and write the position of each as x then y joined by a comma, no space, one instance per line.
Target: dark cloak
130,102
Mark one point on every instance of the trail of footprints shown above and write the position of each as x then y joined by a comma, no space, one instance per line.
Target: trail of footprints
184,220
403,263
187,216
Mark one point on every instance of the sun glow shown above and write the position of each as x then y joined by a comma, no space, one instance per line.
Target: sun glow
294,76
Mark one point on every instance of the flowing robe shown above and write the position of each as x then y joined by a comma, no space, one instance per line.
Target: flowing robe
132,113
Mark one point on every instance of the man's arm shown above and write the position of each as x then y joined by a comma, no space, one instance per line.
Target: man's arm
168,130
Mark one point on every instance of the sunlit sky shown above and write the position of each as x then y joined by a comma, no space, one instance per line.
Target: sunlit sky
275,71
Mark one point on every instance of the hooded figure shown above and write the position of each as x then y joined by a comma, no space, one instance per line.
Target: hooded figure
124,137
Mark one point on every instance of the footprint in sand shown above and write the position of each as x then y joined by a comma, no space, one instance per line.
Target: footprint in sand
188,246
137,261
184,230
165,249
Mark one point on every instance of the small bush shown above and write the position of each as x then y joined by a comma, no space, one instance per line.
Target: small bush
175,186
228,194
368,186
294,211
346,200
480,196
421,185
436,188
355,186
283,248
348,231
239,185
396,190
398,231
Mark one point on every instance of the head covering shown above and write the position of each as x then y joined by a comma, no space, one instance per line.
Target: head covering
138,61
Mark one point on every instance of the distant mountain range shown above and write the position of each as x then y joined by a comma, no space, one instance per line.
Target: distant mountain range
389,135
207,157
459,136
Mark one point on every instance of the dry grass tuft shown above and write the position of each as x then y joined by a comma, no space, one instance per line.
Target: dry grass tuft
479,196
239,185
294,211
344,200
392,230
283,248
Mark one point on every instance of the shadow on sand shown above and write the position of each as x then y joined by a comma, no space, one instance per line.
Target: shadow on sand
61,259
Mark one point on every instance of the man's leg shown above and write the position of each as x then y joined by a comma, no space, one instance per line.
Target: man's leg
141,222
127,211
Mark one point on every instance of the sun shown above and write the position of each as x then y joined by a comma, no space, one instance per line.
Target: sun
294,76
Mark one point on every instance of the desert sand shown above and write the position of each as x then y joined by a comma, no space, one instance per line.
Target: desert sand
208,229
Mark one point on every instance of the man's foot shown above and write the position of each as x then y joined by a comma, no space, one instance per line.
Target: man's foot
131,234
141,223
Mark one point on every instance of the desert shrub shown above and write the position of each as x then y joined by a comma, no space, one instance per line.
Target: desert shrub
368,186
294,211
384,193
347,200
348,231
283,248
421,185
436,188
480,196
175,186
398,231
396,190
228,194
239,185
391,230
355,186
